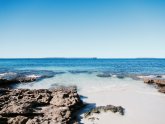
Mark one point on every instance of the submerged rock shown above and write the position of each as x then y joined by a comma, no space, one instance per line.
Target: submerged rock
159,76
100,109
24,76
104,75
22,106
121,76
79,71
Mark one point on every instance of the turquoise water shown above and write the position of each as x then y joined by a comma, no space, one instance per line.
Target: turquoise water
119,66
81,72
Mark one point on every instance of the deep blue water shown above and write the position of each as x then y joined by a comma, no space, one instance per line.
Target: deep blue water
128,66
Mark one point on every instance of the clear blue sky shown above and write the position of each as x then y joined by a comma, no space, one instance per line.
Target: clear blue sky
82,28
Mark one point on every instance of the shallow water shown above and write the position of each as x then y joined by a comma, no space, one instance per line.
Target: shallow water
142,102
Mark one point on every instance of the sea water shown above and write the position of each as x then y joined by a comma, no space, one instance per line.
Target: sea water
142,102
134,66
82,72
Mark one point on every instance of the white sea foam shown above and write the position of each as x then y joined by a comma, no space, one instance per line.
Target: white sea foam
151,76
33,76
148,76
7,74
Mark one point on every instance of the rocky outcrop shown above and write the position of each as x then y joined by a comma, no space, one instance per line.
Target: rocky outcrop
100,109
8,78
158,81
24,106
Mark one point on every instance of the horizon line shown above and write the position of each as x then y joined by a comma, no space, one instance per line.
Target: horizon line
83,58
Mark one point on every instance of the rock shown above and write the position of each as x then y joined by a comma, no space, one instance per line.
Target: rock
160,82
24,76
18,120
104,75
93,118
79,72
120,110
100,109
149,81
162,89
120,76
39,106
159,76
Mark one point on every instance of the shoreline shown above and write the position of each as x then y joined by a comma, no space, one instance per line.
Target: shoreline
60,105
132,93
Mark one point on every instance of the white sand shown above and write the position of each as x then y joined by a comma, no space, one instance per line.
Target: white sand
142,107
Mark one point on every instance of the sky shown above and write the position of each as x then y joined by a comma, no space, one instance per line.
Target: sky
82,28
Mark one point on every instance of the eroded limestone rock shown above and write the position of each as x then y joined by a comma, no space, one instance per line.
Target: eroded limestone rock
21,106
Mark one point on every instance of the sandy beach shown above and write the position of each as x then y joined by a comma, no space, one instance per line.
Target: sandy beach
140,106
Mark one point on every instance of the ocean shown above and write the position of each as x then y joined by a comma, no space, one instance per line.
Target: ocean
82,72
119,66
